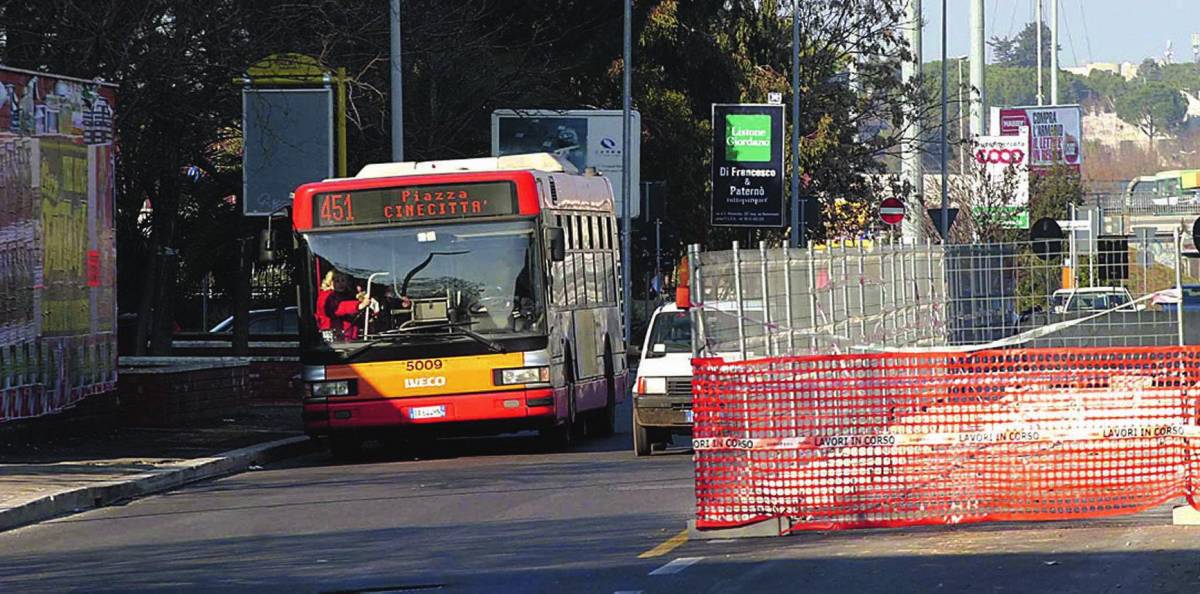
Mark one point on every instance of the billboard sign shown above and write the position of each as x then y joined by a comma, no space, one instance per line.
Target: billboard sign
585,137
747,165
1055,133
995,157
288,137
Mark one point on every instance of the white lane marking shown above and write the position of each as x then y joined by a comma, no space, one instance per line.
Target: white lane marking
653,487
628,592
676,566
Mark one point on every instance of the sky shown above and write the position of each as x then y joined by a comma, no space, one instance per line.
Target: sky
1089,30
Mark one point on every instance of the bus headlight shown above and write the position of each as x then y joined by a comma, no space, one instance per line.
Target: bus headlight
334,388
522,375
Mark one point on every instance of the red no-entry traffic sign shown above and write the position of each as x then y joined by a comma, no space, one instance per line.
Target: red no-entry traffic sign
891,211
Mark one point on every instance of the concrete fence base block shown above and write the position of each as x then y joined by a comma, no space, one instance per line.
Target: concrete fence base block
1185,515
772,527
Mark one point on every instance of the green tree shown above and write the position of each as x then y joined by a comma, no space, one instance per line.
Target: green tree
1106,87
1153,107
1149,70
1052,191
1021,49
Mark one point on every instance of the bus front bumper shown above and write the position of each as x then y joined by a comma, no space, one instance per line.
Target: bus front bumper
497,412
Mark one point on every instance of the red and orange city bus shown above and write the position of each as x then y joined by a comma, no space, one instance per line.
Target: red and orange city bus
474,296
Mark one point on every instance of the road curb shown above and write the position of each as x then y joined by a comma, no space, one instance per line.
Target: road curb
75,500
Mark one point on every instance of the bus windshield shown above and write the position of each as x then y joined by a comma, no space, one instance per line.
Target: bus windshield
468,278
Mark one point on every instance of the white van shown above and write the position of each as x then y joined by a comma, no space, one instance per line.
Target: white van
662,393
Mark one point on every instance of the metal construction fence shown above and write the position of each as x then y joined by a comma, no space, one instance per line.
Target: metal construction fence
847,441
860,385
875,297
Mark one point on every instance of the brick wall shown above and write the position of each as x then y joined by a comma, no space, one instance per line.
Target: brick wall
177,391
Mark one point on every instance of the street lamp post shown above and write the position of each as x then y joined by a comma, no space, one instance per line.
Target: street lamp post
397,84
944,226
798,221
626,175
962,132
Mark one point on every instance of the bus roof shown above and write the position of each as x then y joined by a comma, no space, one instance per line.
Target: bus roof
526,162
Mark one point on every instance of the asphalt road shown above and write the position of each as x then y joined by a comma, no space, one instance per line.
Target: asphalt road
498,515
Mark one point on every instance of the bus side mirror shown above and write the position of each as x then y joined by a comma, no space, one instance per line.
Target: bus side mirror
558,244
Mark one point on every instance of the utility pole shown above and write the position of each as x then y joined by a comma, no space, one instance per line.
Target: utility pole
962,131
1053,52
397,84
978,62
627,174
911,166
1040,97
945,223
798,222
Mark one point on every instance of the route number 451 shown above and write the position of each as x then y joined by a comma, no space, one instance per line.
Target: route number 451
337,208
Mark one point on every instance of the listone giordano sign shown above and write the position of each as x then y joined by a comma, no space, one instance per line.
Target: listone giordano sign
747,166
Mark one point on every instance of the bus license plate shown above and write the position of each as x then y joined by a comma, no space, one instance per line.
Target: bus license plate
687,416
427,412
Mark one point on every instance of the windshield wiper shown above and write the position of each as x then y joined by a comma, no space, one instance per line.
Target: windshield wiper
462,328
376,341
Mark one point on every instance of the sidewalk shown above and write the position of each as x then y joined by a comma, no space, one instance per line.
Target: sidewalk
49,469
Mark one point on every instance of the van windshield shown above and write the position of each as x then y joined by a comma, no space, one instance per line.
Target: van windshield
672,330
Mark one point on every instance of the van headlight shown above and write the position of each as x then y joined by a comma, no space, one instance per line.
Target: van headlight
522,375
652,385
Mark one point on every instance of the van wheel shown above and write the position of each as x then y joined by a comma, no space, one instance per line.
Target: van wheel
641,438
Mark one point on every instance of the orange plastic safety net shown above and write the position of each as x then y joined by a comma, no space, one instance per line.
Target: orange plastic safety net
849,441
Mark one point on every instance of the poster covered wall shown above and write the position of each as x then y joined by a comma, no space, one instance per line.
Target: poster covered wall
58,337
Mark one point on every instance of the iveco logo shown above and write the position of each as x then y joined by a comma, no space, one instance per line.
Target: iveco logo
424,382
608,143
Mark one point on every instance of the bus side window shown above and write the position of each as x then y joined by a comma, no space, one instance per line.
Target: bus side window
559,269
573,277
613,256
595,293
601,260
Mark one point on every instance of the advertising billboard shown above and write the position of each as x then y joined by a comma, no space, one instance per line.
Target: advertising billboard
995,157
58,338
1055,133
288,139
585,137
747,165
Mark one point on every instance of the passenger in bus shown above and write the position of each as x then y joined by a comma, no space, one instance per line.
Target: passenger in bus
344,306
323,293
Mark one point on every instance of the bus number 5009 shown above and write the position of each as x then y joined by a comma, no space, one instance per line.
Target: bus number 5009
423,365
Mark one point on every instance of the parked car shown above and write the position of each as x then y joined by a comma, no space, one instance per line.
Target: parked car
1093,299
278,320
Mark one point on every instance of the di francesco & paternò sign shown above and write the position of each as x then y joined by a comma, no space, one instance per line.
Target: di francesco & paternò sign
747,169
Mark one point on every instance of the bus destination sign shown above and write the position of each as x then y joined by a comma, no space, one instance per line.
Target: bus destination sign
414,204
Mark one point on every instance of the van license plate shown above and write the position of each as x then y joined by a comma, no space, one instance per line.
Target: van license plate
427,412
687,416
